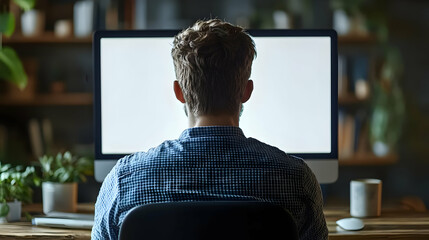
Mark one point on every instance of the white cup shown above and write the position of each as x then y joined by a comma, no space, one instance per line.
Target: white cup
365,197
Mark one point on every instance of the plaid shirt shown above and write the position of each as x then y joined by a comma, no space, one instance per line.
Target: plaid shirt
207,164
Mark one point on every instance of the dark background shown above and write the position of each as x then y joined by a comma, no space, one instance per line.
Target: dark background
407,22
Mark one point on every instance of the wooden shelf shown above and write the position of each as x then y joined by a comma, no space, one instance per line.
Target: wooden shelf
368,159
47,37
63,99
356,39
350,99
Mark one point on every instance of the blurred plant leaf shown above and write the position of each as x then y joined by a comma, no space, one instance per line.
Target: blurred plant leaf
5,167
66,168
25,4
11,67
4,209
28,216
349,6
16,183
7,23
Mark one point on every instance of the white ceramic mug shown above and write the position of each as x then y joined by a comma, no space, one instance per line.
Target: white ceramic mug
365,197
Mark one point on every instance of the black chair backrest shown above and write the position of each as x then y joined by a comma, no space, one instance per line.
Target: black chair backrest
208,220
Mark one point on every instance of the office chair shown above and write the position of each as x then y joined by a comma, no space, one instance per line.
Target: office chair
220,220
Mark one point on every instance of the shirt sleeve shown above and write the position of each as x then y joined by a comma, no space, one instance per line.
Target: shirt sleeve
106,208
314,224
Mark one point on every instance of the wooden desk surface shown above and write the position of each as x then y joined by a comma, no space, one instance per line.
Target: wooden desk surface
24,230
393,224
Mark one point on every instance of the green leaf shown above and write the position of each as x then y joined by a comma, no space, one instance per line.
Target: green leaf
28,216
7,23
4,209
59,160
67,156
46,162
5,167
37,181
11,67
66,168
25,4
65,177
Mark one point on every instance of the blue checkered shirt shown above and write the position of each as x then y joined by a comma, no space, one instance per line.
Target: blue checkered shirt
209,164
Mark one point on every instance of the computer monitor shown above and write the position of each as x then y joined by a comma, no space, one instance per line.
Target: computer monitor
293,105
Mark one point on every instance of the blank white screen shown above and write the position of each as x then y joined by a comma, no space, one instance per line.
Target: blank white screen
290,107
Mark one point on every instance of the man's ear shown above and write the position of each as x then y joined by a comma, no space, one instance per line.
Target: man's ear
247,91
178,92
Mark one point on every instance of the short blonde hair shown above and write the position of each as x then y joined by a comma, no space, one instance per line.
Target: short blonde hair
213,61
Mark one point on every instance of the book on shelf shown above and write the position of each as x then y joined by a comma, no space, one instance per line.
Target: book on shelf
41,136
342,75
359,77
352,134
353,74
348,137
36,140
341,121
358,123
48,135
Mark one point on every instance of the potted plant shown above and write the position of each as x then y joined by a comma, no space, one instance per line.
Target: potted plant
11,68
387,105
15,189
60,176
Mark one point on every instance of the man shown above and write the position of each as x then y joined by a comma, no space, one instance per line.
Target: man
212,160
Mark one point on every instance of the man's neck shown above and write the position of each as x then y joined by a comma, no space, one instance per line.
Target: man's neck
213,120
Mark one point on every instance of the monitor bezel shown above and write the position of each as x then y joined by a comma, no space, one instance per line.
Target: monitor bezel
98,35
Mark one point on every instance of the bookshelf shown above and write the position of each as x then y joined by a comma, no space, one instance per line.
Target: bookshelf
357,39
45,38
351,100
49,37
368,159
60,99
355,63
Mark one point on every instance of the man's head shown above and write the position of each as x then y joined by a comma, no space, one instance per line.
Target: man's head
213,61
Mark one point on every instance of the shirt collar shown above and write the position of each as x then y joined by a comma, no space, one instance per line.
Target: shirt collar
211,131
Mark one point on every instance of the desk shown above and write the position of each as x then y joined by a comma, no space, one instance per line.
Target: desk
393,224
24,230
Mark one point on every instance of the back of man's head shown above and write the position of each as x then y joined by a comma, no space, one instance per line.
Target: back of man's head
213,61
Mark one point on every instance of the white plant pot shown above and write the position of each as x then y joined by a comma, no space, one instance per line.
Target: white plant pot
32,23
14,214
59,197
